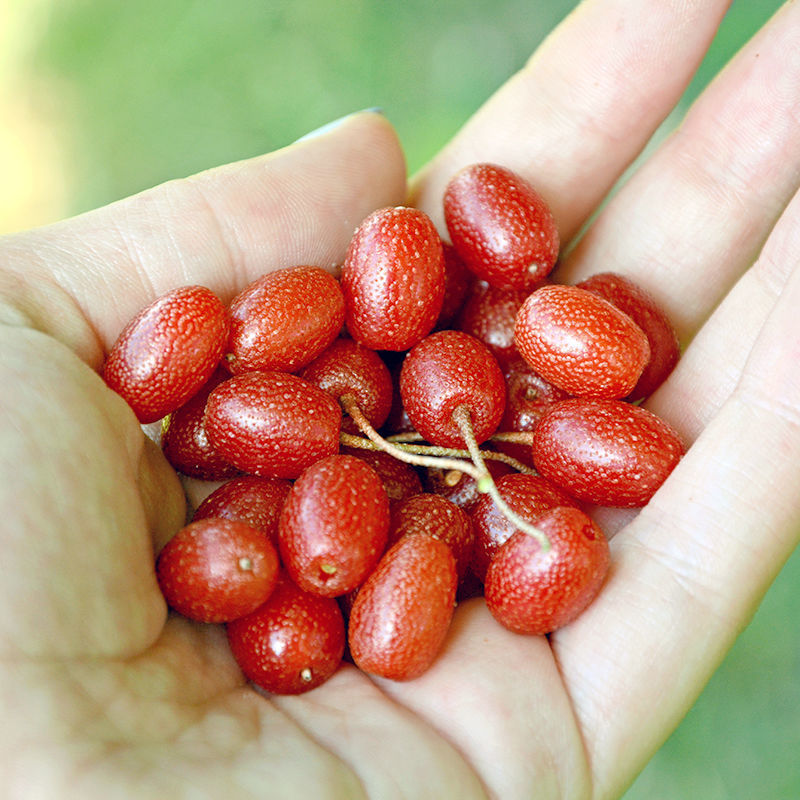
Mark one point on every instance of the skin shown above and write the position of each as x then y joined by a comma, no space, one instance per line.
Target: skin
104,695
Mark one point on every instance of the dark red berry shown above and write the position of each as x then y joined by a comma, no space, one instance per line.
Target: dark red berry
168,351
400,480
534,592
459,487
292,643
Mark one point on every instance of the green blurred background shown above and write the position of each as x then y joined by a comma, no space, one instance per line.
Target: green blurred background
101,99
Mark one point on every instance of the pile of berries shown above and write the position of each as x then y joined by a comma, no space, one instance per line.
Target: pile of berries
428,427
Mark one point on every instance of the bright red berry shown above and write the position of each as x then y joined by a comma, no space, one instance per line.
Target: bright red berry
291,643
283,320
393,279
446,370
271,423
402,612
580,342
607,452
216,570
501,226
168,351
535,592
333,526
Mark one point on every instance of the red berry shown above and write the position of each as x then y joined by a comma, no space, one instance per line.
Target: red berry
436,516
216,570
184,440
489,315
535,592
290,644
458,283
284,320
446,370
581,343
334,524
459,487
168,351
393,279
500,226
650,317
347,367
607,452
402,612
271,423
530,496
251,499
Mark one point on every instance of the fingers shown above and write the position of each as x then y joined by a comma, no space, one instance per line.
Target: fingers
693,218
690,570
221,228
585,105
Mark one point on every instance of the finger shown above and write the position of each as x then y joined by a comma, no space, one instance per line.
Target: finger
221,228
689,572
585,104
694,217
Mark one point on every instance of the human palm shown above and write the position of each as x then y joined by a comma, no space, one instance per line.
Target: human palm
107,695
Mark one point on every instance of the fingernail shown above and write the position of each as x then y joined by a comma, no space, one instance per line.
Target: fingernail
329,126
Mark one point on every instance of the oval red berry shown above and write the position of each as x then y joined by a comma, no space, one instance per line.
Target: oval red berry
168,351
501,226
271,423
608,452
580,342
393,279
216,570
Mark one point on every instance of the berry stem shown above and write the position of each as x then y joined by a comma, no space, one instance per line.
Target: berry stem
462,418
514,437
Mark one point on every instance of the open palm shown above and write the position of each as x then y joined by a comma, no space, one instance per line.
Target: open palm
105,695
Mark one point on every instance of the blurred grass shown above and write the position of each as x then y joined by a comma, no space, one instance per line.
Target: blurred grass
137,93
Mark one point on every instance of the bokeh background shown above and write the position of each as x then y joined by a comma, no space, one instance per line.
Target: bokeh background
100,99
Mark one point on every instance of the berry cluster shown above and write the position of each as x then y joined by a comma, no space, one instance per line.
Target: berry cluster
422,429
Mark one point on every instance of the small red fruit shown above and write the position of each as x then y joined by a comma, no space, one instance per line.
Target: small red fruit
607,452
284,320
580,342
333,526
216,570
402,612
290,644
500,226
534,592
271,423
393,279
168,351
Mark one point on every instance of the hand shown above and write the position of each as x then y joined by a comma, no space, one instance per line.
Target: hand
104,692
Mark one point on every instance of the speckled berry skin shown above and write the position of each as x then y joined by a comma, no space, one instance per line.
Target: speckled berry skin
449,369
642,308
284,320
434,515
401,614
400,480
530,496
292,643
580,342
532,592
271,423
333,526
501,226
393,279
168,351
216,570
346,367
249,498
607,452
